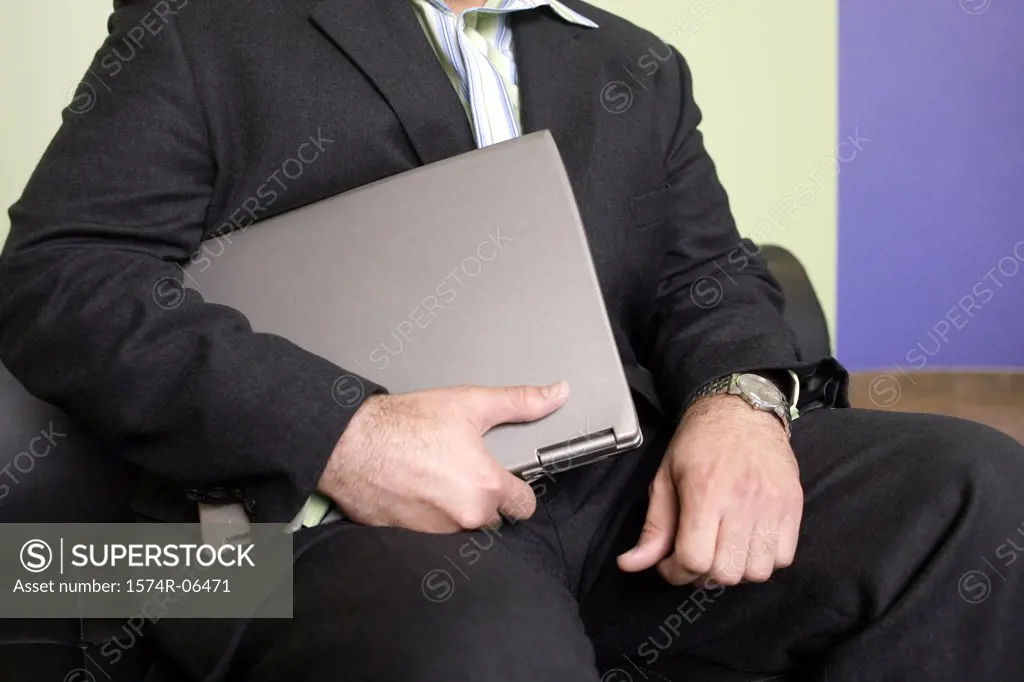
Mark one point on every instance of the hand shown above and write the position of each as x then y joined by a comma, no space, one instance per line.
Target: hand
726,502
418,460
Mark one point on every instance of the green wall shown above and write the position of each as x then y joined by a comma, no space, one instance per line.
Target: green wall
765,73
38,79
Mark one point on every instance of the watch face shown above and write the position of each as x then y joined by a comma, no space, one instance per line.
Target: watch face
761,391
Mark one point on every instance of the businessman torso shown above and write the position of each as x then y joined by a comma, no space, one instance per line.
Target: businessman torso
303,100
197,118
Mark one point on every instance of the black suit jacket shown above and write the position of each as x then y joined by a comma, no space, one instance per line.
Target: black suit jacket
197,117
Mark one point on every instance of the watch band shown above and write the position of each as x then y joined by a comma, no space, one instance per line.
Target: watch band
729,385
714,387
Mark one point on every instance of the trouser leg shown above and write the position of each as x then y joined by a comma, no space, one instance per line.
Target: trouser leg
386,604
910,565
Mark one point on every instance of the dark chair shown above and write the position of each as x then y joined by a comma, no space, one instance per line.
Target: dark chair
50,472
803,309
56,479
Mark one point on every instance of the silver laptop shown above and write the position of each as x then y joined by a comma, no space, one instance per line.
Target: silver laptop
472,270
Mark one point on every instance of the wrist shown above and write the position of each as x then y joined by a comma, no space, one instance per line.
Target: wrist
730,411
356,436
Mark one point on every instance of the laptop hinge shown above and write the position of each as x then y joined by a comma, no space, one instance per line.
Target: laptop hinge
578,451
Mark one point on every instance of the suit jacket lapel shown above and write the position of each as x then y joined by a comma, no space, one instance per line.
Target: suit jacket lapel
385,40
559,84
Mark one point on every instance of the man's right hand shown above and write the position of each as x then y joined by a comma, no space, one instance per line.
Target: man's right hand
418,460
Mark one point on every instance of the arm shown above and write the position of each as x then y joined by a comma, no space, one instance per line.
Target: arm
92,320
718,309
726,504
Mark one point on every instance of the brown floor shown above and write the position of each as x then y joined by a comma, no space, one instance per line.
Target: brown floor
994,398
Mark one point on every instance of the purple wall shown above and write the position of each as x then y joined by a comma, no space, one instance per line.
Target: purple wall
932,211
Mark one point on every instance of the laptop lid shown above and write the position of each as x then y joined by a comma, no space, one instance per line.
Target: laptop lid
472,270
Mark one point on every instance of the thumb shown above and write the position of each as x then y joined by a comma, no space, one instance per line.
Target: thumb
513,404
658,535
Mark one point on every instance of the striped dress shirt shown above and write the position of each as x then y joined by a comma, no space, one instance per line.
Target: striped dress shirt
476,51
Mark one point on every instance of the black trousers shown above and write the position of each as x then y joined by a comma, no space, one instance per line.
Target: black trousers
906,570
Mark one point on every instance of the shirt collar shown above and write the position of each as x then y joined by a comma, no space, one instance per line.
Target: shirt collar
557,7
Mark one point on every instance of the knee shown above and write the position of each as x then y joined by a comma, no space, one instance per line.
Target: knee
971,455
396,605
476,622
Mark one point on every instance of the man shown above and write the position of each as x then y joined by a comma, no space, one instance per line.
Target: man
836,552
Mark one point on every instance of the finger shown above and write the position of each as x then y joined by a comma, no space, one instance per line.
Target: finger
519,501
426,519
706,582
687,565
486,493
674,573
788,537
514,404
761,547
659,529
695,543
731,553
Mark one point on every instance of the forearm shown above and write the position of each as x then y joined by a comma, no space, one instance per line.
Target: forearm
744,332
718,309
189,392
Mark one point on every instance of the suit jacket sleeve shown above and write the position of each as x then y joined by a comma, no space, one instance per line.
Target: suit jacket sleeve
93,317
718,310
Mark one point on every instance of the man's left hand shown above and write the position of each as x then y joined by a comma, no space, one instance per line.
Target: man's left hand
726,502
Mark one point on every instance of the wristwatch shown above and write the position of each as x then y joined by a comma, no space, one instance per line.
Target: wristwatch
759,392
